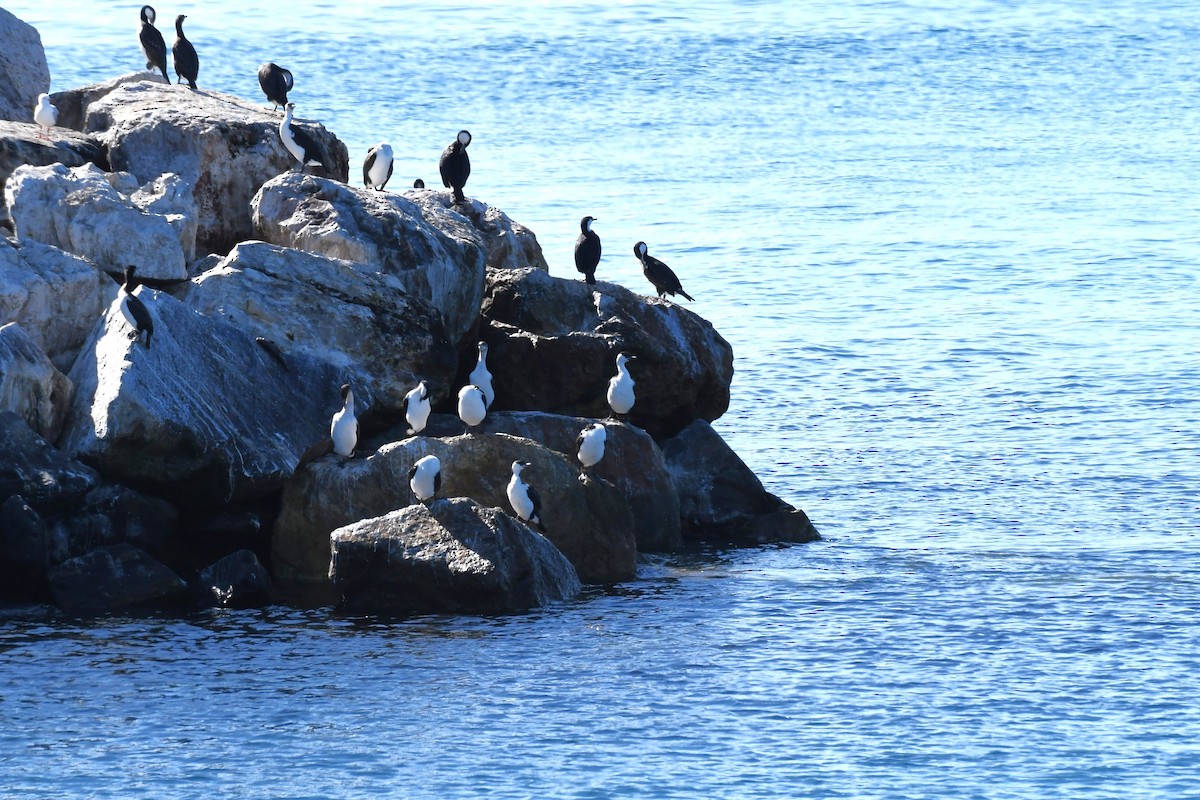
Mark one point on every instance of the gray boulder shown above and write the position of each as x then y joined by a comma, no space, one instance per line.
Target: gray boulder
590,523
239,580
55,296
32,468
20,145
73,104
334,311
30,385
632,464
24,73
508,243
222,146
204,415
435,254
113,514
553,345
721,500
452,556
106,218
113,578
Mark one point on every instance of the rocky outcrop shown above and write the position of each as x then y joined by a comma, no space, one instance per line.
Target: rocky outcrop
239,580
553,343
112,578
508,243
30,385
721,500
452,556
114,514
24,73
73,104
222,146
106,218
20,145
55,296
632,464
32,468
590,523
204,415
335,311
435,254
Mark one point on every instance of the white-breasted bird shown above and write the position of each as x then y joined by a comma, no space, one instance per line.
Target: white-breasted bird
472,405
523,498
134,310
620,387
344,427
589,446
303,147
425,478
377,169
481,377
416,408
45,114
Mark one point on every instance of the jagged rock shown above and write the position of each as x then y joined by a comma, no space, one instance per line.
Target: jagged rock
721,500
204,415
590,523
553,343
84,211
73,104
508,243
452,556
113,578
30,385
24,73
435,254
115,514
20,145
632,463
238,580
24,551
55,296
335,311
222,146
32,468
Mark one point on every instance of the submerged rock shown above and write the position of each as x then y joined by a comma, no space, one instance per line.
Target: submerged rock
239,580
553,345
112,578
30,385
452,556
24,73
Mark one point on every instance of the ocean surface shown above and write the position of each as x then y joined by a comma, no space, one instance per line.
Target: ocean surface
955,248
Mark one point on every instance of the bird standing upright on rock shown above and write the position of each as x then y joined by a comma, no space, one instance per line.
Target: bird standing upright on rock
425,478
620,388
659,274
45,115
587,250
455,165
187,63
472,405
377,169
589,446
523,498
154,47
481,377
343,429
276,82
416,408
134,310
302,146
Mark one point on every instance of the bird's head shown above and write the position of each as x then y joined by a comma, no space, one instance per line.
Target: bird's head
464,138
483,349
148,14
639,249
418,184
585,224
347,394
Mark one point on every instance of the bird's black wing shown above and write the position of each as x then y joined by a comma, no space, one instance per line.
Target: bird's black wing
141,315
312,151
437,481
370,162
154,47
536,499
412,473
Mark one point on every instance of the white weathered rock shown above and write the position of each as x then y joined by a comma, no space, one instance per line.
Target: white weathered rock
509,244
204,415
30,386
436,254
24,73
452,556
335,311
80,210
20,145
55,296
223,146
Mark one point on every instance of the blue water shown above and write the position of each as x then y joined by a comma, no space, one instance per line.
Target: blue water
954,248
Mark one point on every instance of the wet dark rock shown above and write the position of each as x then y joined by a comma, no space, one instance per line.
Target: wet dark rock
24,552
238,580
34,469
114,514
113,578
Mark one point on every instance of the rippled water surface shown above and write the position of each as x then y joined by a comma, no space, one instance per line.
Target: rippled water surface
954,248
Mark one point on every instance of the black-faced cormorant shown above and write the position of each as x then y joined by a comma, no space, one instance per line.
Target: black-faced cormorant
620,387
587,250
276,82
589,446
134,310
343,429
425,478
481,377
302,146
187,63
659,274
377,169
153,45
416,408
472,405
455,165
523,498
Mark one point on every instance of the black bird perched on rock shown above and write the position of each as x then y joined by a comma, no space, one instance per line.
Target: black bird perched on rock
302,146
659,274
153,45
187,63
418,184
276,82
455,165
587,250
134,310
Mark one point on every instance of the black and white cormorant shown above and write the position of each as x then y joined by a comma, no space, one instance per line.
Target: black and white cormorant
343,429
153,45
276,82
589,446
302,146
472,405
455,165
416,408
425,478
134,310
659,274
620,387
187,63
377,169
481,377
587,250
523,498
